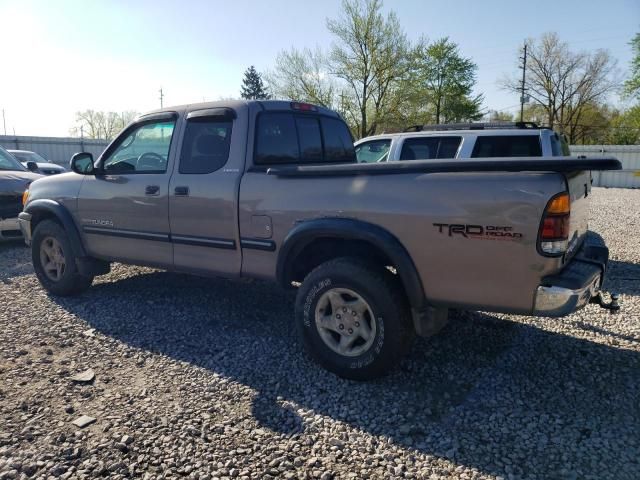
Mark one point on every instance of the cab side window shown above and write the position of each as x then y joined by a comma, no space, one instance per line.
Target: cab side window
144,150
429,148
507,146
206,145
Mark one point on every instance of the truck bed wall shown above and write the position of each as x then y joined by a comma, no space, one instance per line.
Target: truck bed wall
479,272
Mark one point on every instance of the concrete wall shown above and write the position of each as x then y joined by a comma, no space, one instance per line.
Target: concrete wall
629,155
55,149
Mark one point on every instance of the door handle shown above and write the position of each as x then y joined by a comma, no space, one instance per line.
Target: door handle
181,191
152,190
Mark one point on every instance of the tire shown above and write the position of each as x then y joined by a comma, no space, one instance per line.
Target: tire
384,330
64,279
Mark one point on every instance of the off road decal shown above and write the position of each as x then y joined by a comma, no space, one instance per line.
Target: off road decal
485,232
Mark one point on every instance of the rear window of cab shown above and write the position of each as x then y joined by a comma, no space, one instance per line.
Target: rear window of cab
289,138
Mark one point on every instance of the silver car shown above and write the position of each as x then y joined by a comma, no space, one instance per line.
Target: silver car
42,165
14,180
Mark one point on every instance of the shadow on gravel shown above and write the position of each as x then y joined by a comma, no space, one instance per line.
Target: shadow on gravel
22,267
493,394
623,277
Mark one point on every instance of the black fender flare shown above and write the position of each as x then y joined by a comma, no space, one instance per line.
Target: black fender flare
351,229
62,214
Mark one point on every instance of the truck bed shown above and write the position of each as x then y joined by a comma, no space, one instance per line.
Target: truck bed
510,164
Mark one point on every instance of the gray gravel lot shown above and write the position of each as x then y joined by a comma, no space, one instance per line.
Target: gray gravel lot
204,378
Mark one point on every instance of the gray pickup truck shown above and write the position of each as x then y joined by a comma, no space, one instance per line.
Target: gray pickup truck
272,190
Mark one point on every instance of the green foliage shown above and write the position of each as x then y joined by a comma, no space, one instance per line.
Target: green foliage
445,80
632,85
625,127
500,116
370,56
252,86
376,78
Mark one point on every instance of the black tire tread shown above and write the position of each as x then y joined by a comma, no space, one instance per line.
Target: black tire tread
72,282
377,277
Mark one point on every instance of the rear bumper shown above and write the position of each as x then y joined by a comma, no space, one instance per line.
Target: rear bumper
24,220
572,288
9,229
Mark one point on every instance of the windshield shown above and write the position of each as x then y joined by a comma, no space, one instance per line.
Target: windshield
28,157
7,162
374,151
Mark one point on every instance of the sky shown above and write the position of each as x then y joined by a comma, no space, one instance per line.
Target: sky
60,57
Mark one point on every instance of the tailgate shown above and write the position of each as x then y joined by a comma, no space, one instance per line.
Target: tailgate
579,185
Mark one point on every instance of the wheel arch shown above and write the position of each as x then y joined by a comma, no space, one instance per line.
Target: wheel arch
43,209
369,239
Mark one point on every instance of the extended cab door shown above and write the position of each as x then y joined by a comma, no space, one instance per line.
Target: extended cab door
203,193
124,209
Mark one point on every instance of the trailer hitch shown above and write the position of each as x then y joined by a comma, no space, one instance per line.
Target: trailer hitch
613,306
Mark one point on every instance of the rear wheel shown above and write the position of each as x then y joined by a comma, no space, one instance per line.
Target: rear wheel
54,261
353,318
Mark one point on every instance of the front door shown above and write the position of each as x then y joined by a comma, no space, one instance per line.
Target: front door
203,194
124,209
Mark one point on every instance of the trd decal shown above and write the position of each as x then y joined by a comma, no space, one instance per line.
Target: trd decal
493,232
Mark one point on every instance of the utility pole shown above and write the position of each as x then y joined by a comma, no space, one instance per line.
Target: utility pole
161,97
4,122
523,98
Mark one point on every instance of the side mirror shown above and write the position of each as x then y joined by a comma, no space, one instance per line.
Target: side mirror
82,163
32,166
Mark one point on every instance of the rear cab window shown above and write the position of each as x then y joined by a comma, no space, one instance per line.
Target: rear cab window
488,146
429,148
559,145
291,138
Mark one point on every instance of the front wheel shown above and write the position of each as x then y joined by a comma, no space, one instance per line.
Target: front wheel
353,318
54,261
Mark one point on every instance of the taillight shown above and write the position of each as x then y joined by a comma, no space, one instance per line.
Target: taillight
554,230
304,107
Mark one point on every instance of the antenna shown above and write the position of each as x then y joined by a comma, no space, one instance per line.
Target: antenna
161,97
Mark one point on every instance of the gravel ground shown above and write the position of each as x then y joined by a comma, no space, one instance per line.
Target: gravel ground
204,378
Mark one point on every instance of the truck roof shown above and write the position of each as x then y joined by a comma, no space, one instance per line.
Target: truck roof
493,132
238,105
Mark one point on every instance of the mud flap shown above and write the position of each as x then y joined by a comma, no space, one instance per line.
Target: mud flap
429,321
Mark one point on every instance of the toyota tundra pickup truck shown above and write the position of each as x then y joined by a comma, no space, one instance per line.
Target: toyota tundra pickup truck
272,190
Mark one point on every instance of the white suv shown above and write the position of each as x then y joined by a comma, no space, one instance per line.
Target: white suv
468,140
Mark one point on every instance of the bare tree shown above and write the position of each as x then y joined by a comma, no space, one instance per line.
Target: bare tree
563,82
103,125
301,75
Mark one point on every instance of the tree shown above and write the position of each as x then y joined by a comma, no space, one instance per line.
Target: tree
446,81
632,85
565,83
301,75
370,56
625,127
103,125
499,116
252,86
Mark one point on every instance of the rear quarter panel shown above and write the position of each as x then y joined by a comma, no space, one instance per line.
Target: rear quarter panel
456,271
